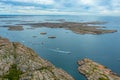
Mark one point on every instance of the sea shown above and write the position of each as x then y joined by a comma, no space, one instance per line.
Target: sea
68,47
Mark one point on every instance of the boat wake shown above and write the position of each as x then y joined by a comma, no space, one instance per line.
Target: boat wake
60,51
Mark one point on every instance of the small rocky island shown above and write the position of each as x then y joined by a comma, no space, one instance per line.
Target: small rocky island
15,28
18,62
43,33
95,71
77,27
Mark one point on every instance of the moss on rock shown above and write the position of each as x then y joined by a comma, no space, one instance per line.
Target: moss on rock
14,73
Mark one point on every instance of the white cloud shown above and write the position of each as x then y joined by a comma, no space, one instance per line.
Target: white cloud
44,2
99,7
11,9
115,4
86,2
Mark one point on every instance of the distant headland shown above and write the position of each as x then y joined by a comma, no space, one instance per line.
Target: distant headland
77,27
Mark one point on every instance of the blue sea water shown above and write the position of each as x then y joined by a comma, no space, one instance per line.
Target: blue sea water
68,47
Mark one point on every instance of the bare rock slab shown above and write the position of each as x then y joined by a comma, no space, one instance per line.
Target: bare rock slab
18,62
95,71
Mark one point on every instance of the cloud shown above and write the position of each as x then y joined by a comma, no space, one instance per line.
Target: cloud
87,2
11,9
76,7
45,2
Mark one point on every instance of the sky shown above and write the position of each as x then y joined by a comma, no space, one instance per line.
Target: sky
60,7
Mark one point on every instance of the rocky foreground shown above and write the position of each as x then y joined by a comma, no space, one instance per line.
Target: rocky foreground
18,62
95,71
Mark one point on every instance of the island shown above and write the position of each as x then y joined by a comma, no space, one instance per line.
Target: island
52,37
95,71
43,33
77,27
18,62
16,28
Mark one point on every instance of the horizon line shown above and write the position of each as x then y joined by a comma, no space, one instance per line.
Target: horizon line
54,15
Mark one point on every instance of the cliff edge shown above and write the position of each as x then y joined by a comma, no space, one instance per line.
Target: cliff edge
18,62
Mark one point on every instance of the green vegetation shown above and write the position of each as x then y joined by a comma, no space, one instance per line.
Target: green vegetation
102,78
43,68
46,68
14,50
13,74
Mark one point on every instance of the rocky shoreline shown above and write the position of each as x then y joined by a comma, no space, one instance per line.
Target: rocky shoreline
94,71
15,28
77,27
18,62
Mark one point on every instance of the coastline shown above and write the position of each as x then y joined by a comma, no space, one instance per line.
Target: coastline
77,27
95,71
18,62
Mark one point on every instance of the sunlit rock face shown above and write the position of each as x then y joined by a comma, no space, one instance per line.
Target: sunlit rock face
95,71
18,62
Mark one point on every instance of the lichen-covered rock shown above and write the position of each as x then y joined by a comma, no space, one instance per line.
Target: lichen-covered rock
95,71
18,62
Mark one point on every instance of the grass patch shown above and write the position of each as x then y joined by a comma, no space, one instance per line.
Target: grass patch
14,73
102,78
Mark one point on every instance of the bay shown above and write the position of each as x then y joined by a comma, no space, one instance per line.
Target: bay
68,47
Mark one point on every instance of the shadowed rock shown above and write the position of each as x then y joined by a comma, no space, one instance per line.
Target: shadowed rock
52,37
43,33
